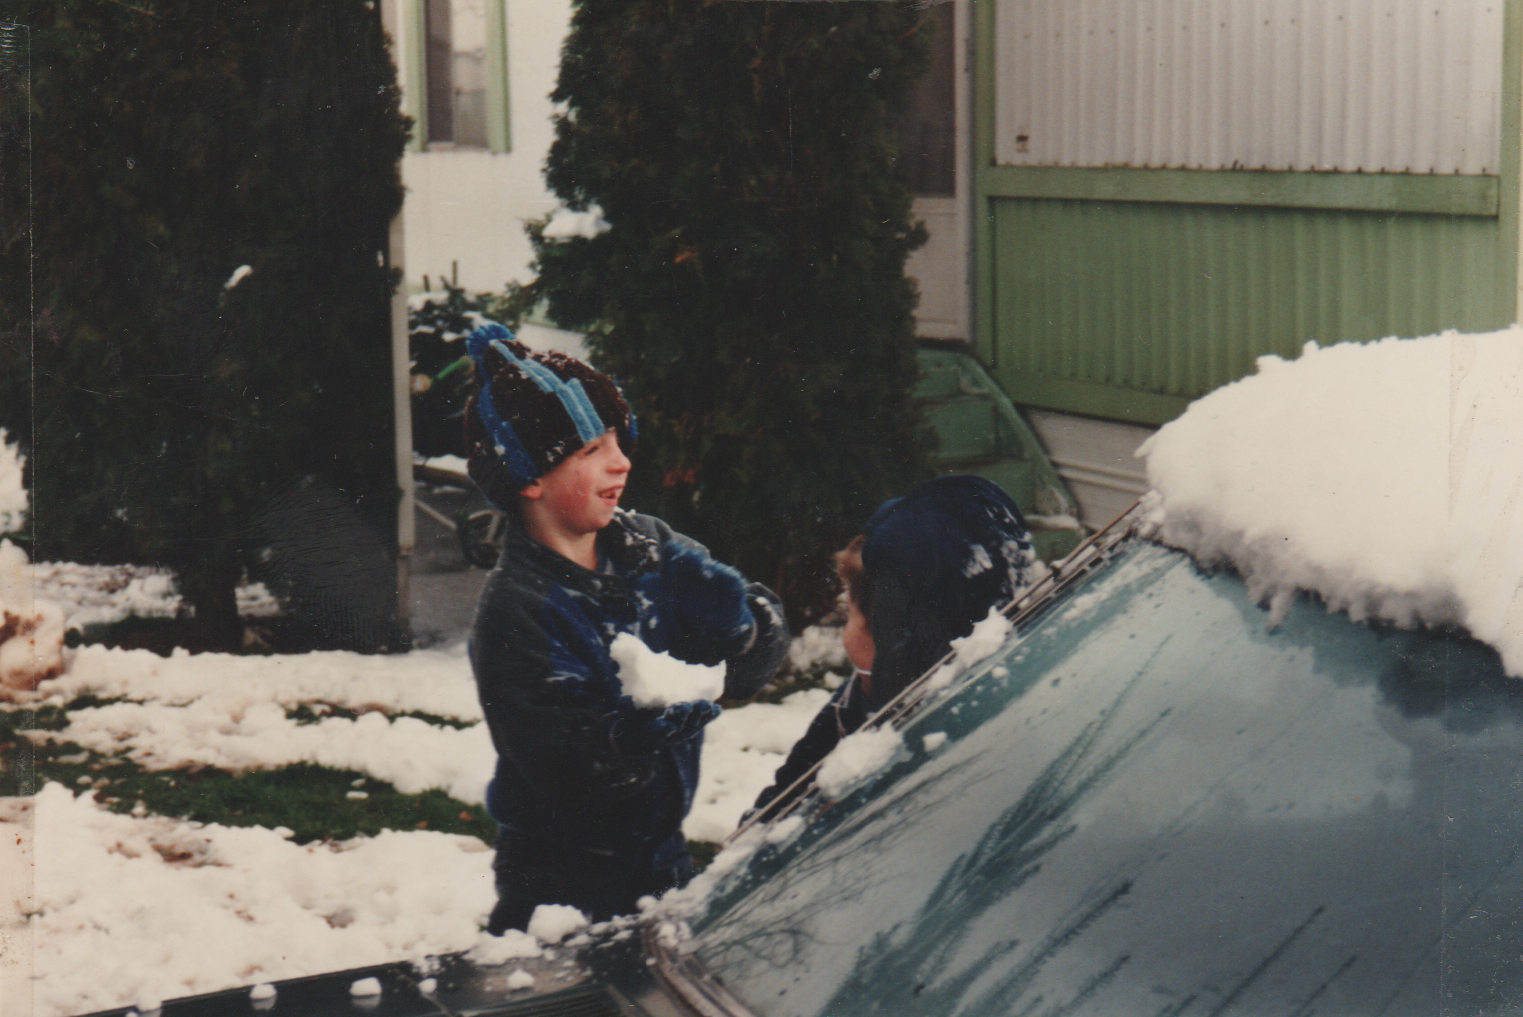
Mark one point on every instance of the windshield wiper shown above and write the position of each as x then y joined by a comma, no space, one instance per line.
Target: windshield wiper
685,976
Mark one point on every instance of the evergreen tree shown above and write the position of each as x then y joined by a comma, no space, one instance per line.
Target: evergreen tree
212,185
750,294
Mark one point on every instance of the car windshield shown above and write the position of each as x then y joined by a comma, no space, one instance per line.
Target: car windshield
1152,803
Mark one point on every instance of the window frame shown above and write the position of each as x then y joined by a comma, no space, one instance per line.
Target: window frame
498,107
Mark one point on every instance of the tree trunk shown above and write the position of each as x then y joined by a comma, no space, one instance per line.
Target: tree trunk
210,589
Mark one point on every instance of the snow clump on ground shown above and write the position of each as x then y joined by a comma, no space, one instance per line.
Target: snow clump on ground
169,908
1386,478
31,631
13,496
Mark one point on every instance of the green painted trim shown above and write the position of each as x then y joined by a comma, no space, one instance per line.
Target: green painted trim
417,81
499,110
982,30
1512,151
1091,399
1375,192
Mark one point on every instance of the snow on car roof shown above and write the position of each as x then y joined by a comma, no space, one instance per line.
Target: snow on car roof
1385,477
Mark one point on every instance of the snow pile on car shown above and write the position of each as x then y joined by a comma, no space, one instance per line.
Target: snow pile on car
1386,478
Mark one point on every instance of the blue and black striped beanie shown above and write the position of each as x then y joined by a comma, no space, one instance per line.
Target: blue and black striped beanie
542,408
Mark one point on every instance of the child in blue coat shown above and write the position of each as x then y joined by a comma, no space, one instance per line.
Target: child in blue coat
590,790
925,569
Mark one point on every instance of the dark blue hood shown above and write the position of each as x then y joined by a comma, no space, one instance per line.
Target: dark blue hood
936,560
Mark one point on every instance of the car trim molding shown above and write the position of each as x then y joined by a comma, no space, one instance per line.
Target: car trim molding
684,976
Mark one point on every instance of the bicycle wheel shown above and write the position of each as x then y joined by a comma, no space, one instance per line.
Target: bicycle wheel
480,534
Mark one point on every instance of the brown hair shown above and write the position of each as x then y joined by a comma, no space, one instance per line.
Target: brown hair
853,574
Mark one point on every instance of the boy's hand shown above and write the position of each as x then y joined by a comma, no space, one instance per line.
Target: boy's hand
708,597
648,729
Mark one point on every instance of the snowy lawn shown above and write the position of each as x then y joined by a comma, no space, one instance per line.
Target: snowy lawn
292,756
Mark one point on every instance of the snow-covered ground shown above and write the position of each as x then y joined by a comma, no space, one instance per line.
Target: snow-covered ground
154,907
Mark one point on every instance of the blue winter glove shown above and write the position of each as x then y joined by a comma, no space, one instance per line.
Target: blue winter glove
708,598
648,729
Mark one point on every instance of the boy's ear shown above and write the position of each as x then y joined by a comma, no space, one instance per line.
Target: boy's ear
532,491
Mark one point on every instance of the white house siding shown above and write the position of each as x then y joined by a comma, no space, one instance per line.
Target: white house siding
465,207
1393,86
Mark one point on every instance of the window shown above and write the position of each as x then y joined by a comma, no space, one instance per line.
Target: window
462,77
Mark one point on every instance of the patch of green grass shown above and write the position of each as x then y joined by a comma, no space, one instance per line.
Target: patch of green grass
311,800
311,713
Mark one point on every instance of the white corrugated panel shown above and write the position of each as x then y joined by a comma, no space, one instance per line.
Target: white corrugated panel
1378,86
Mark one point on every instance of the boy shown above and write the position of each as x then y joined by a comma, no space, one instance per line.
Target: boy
926,568
589,791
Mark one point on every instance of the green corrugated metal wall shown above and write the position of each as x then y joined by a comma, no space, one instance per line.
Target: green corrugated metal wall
1128,309
1175,300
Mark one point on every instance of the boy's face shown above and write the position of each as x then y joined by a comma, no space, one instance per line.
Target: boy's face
580,494
858,638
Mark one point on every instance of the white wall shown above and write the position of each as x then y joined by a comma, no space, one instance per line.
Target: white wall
468,206
1392,86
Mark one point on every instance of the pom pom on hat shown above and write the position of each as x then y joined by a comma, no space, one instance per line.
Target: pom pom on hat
532,410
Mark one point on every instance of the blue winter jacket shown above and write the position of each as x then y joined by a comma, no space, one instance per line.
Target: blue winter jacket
554,704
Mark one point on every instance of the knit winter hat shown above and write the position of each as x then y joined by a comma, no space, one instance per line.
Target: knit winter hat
936,561
542,408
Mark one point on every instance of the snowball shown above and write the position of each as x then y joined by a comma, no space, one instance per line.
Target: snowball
240,273
934,740
1384,477
428,985
520,979
264,990
857,757
659,679
552,923
365,987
